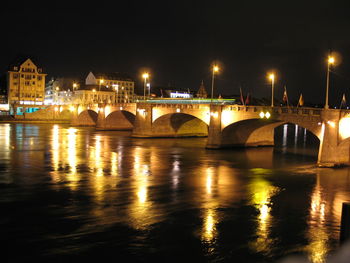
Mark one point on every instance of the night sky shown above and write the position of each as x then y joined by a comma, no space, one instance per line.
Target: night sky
177,41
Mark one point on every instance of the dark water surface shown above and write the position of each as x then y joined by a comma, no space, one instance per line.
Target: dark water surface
74,194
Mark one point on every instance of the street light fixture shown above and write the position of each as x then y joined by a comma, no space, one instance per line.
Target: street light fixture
330,62
272,78
215,70
145,77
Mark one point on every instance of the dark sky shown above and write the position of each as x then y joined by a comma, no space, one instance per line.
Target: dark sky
178,40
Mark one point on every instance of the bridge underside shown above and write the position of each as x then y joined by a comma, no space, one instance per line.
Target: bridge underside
175,125
117,120
85,118
247,133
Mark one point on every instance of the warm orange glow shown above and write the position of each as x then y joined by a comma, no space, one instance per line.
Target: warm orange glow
93,90
75,85
101,81
344,127
331,60
145,75
272,77
262,115
215,68
331,123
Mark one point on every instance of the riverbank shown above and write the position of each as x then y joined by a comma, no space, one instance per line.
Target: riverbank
10,119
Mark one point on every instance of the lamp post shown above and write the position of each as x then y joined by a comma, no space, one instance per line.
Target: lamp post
272,78
215,70
330,62
145,77
149,89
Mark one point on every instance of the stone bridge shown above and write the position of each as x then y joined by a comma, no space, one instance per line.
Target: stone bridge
225,125
234,125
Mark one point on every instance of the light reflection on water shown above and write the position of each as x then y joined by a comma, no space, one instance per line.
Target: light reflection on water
262,191
113,180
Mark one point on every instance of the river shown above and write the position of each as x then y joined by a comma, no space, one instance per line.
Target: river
74,194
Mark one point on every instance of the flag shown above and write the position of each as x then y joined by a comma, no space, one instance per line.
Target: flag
242,100
247,99
301,100
343,101
285,96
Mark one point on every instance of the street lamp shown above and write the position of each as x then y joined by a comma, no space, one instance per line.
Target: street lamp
330,62
272,78
145,77
215,70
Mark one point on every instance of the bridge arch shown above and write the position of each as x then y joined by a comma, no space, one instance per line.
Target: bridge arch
87,118
120,120
179,125
255,132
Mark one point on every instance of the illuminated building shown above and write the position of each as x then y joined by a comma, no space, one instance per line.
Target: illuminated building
90,94
171,92
25,87
121,84
60,90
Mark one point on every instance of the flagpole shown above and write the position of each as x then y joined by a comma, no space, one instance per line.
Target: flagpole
343,100
242,99
285,88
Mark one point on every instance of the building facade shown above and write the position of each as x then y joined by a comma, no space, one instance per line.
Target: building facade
60,89
25,87
121,84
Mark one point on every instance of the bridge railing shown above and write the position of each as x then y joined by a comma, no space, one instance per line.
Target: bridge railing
279,110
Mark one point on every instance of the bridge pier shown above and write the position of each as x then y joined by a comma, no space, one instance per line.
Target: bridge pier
215,133
74,119
143,121
101,120
250,133
330,153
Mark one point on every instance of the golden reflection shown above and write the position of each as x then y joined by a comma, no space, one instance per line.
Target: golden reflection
114,163
72,157
209,180
55,147
317,234
141,210
175,173
5,130
209,229
98,159
261,192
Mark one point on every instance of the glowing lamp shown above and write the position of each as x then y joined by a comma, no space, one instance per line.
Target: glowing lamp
331,60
